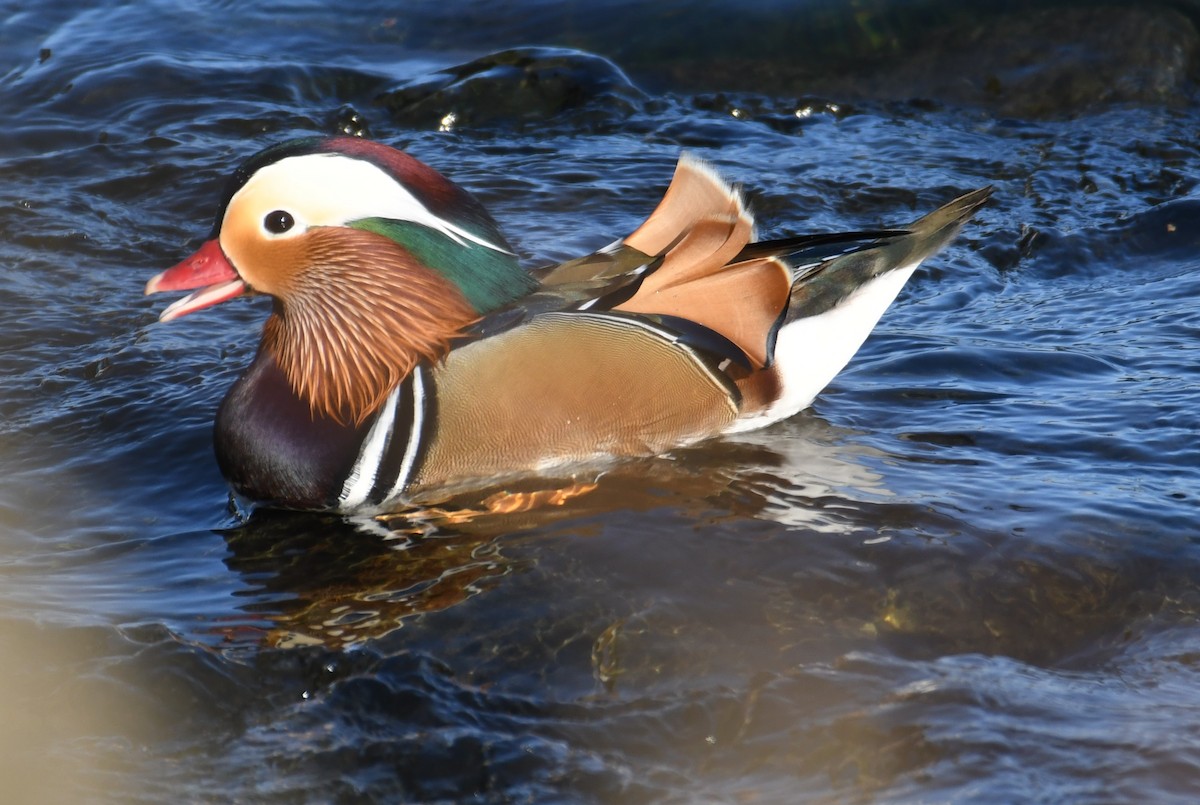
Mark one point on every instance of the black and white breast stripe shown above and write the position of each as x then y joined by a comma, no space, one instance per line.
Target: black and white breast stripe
391,453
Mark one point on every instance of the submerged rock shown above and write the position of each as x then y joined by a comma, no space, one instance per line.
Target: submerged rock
1023,63
1059,61
1021,58
525,85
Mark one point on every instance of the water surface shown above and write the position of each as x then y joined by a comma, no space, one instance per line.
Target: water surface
968,573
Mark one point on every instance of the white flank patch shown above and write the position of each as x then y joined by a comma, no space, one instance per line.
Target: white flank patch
333,190
362,477
810,352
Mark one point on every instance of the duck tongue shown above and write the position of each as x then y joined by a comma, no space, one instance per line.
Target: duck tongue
209,271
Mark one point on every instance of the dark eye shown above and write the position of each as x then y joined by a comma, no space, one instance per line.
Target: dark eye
278,222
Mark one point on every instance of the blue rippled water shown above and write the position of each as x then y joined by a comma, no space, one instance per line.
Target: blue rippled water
967,574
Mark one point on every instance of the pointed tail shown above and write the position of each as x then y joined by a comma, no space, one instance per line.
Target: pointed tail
836,302
823,286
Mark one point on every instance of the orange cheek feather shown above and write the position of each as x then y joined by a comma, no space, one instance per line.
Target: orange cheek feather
268,266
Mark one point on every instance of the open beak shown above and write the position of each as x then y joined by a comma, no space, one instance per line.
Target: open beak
209,271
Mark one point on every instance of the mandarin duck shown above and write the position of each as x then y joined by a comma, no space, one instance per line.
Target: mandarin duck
408,355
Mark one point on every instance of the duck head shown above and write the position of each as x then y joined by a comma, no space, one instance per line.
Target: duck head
374,260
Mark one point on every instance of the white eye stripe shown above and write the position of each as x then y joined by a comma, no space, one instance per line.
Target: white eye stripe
333,190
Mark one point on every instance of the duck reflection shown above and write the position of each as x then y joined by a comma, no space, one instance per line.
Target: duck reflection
335,581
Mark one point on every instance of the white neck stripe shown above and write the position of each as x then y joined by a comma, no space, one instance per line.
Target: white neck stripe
361,479
414,434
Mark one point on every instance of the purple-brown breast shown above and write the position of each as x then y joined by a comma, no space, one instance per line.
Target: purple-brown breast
272,449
